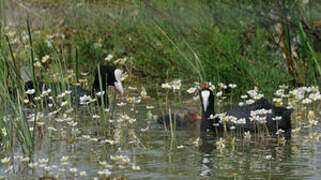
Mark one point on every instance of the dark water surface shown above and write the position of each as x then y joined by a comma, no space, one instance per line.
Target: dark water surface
159,156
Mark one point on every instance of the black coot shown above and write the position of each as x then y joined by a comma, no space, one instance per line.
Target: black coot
110,76
211,123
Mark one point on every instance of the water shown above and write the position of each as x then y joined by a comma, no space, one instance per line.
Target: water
159,156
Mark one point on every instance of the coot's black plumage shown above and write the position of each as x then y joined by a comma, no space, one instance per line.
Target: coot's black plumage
110,76
207,123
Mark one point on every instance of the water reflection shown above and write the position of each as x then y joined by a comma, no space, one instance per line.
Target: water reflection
159,156
206,148
255,159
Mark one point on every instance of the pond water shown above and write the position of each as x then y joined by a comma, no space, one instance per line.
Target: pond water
142,150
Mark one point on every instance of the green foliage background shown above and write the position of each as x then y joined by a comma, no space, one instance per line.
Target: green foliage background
219,41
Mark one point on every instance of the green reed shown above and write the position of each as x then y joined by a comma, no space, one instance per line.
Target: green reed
234,45
102,99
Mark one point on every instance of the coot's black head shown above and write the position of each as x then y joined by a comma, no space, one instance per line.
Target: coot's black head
110,76
207,100
29,85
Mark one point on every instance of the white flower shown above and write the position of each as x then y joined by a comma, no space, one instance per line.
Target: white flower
5,160
254,118
64,103
283,86
219,94
109,57
86,137
45,58
124,75
96,116
18,157
104,172
109,141
121,104
247,135
120,60
72,123
313,122
9,169
252,93
244,96
103,163
94,139
131,121
166,86
232,86
33,165
132,88
4,131
82,173
222,85
25,159
191,90
30,91
73,170
296,130
48,168
241,121
37,64
279,92
68,92
133,100
11,33
311,115
62,95
75,131
85,99
135,168
211,86
43,161
97,45
52,128
268,157
37,98
150,107
176,84
46,92
220,144
279,131
250,101
64,159
315,96
306,101
101,93
143,93
277,118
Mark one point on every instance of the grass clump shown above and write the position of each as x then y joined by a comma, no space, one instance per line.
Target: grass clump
248,43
